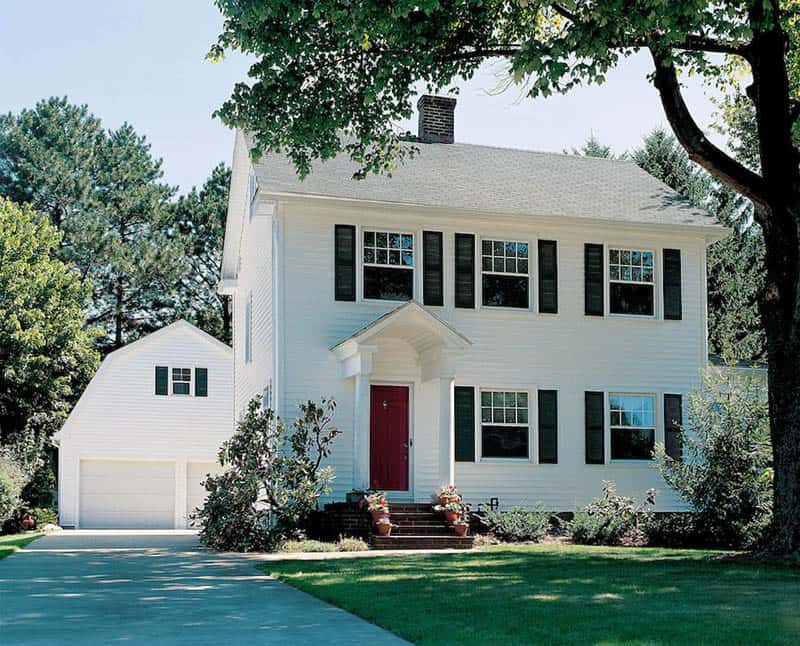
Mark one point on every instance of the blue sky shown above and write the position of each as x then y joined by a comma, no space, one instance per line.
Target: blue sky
144,62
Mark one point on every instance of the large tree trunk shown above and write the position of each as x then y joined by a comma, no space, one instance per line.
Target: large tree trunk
780,310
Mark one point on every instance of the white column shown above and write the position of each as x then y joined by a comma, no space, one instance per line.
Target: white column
361,432
447,440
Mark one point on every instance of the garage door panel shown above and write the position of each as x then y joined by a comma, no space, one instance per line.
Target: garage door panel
127,495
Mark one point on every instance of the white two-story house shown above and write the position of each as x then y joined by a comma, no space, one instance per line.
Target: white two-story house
524,325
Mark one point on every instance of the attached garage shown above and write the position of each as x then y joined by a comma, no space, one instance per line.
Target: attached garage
145,433
127,494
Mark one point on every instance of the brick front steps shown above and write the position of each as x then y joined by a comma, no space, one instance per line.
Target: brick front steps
419,527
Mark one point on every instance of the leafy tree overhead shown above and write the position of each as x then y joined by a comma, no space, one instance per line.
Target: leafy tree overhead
200,218
46,353
333,76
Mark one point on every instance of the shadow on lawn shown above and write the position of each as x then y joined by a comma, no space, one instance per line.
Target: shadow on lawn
562,594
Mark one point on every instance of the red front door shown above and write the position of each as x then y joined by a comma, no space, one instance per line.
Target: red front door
388,438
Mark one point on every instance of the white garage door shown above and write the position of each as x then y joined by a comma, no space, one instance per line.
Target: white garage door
195,492
127,495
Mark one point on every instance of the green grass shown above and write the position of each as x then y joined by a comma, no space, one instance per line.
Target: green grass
11,543
561,594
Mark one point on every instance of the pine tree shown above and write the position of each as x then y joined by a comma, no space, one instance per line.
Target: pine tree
200,218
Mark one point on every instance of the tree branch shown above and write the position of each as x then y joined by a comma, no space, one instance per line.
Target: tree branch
691,137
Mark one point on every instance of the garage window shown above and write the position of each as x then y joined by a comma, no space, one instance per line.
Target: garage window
181,381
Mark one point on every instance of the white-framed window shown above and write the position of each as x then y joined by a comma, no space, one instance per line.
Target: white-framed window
181,381
248,328
633,426
631,276
252,191
388,265
266,399
505,273
504,424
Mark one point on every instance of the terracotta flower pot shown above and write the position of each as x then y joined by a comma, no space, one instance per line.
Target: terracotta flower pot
451,516
384,529
461,530
377,514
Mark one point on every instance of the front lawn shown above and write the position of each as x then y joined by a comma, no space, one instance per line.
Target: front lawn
11,543
561,594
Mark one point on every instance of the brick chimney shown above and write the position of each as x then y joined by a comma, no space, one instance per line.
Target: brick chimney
436,121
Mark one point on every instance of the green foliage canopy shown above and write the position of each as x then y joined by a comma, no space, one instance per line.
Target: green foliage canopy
46,353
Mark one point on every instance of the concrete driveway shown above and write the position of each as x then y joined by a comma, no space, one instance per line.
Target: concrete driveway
158,588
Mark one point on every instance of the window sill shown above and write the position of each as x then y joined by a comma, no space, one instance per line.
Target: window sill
633,317
631,463
506,460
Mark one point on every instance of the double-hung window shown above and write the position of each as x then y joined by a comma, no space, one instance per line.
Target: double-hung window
388,265
504,271
504,424
181,381
633,426
631,282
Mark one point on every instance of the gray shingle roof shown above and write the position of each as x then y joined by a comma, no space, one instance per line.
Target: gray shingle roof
497,180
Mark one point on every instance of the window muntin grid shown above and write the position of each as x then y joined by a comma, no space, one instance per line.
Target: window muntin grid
631,266
389,249
508,257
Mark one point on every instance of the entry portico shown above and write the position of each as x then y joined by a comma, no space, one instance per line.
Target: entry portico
408,349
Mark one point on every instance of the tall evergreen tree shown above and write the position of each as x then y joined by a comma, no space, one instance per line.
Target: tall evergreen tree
594,148
200,219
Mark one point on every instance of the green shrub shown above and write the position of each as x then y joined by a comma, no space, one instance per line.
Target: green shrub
44,516
611,519
40,489
272,480
305,545
674,530
12,479
726,471
347,544
517,524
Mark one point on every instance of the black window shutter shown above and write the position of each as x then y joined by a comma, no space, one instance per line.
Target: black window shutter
201,382
673,417
432,268
593,279
548,276
673,308
465,270
464,414
345,262
162,380
595,428
548,426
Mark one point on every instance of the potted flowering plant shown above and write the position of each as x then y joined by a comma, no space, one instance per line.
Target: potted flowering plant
461,526
384,526
447,493
376,505
452,511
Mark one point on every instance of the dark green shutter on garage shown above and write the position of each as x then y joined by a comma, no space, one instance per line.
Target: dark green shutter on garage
593,279
345,262
432,268
548,426
464,414
673,418
673,308
201,382
162,380
595,427
465,270
548,276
